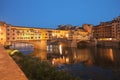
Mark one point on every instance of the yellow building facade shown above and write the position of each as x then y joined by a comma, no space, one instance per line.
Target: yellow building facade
9,33
60,34
2,32
78,35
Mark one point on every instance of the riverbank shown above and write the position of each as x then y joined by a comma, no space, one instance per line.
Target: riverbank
8,68
101,57
99,43
115,44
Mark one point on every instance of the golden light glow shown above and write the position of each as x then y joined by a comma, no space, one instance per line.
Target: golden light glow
60,48
58,61
66,35
67,60
53,34
111,55
105,38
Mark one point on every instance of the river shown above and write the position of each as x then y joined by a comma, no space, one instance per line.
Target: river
97,59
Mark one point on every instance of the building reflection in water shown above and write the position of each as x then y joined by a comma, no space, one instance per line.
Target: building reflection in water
60,48
42,54
88,56
111,55
25,48
105,56
58,54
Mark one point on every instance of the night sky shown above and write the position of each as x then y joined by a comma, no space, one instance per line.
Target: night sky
51,13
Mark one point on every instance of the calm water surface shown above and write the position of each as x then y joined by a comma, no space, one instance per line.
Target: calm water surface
93,57
58,54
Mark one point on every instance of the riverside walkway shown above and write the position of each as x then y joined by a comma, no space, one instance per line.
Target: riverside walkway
8,68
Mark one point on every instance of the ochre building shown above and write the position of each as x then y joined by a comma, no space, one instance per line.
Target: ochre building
10,33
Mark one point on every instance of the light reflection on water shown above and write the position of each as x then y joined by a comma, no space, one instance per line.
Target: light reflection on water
23,47
58,54
105,57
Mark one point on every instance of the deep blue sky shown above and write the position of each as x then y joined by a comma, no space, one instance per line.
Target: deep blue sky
51,13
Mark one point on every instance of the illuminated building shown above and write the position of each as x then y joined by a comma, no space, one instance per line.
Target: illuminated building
9,34
79,35
26,33
60,34
108,30
116,28
103,31
2,32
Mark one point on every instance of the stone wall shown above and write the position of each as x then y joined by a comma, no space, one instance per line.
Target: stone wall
9,70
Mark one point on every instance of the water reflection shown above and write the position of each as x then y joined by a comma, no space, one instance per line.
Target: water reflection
106,57
25,48
42,54
58,54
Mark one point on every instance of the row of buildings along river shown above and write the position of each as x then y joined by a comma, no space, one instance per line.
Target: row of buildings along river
104,31
57,54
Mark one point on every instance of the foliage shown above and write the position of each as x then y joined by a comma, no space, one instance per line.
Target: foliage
119,44
7,46
35,69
